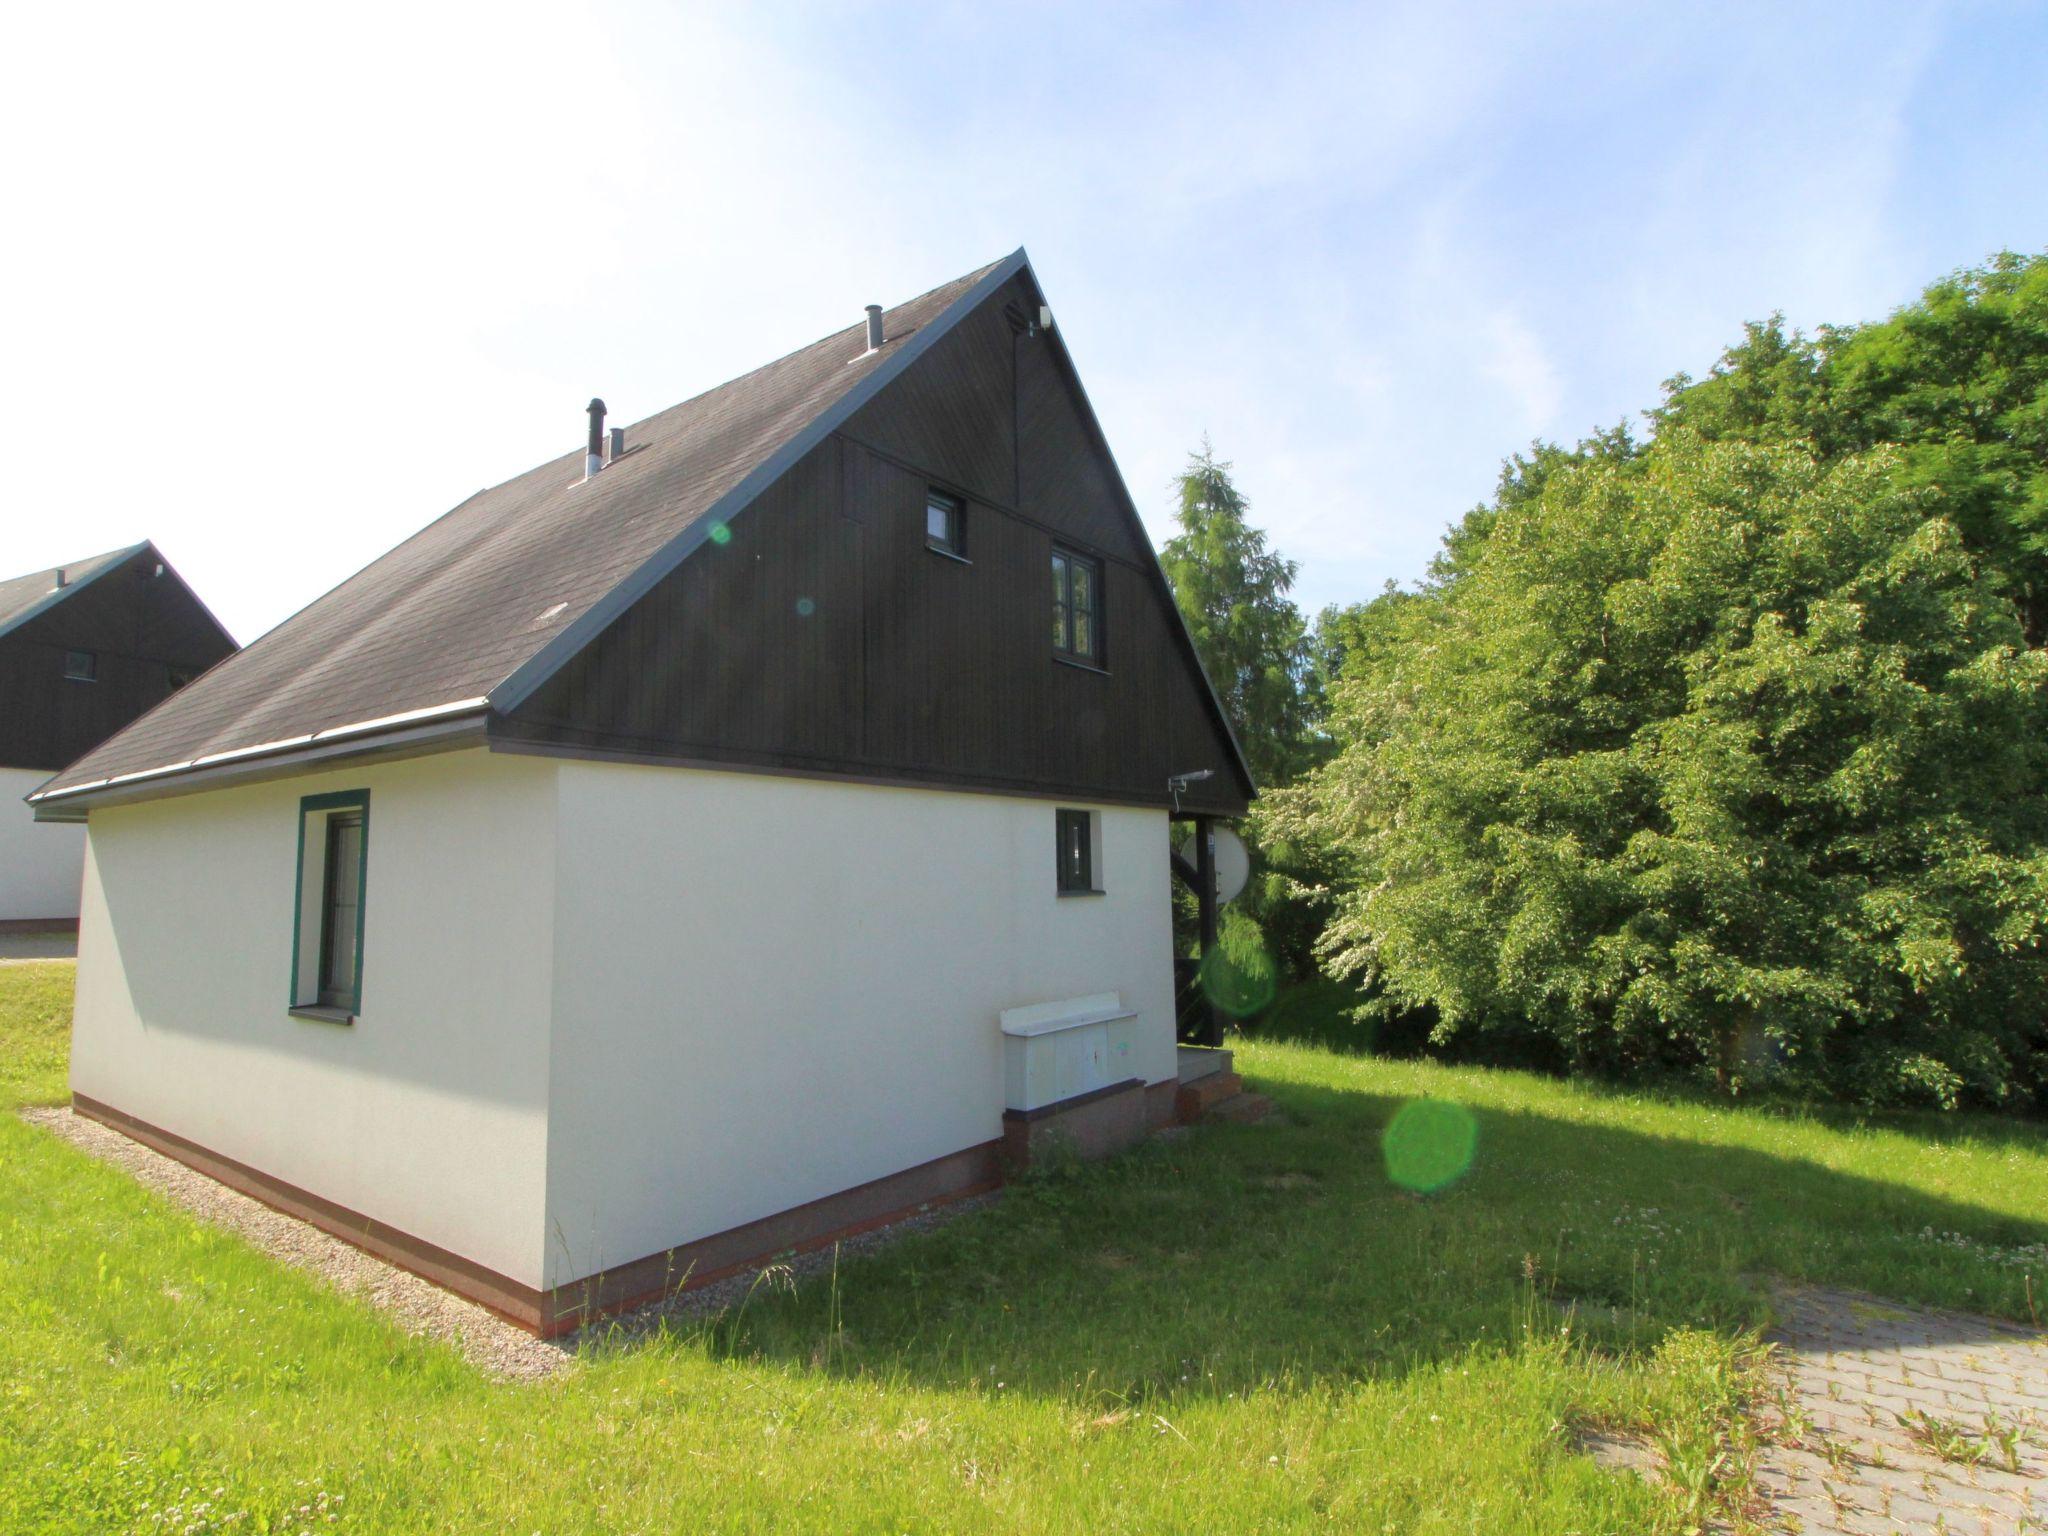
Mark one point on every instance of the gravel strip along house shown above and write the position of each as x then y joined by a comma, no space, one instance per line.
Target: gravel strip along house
735,834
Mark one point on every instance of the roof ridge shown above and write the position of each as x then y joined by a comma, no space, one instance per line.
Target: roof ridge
975,286
65,565
101,563
574,455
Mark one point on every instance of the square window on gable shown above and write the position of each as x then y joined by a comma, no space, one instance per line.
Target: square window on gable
327,924
81,666
945,523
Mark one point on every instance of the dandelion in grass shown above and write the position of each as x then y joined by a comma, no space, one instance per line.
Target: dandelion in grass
1429,1145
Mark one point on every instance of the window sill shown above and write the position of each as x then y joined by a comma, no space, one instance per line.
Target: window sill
1079,665
1065,894
947,554
321,1014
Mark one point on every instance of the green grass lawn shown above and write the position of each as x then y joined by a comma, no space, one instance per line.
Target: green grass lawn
1251,1328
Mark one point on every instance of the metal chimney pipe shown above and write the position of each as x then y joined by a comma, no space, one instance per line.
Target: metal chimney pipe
593,457
618,441
874,327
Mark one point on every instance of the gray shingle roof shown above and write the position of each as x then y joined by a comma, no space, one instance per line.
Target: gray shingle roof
23,597
518,577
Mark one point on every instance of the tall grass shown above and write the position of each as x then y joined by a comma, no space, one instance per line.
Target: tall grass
1250,1328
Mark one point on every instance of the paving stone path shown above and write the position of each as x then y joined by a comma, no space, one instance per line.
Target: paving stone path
1905,1421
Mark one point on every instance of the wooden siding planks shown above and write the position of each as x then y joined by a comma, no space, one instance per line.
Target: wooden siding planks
138,626
822,635
952,414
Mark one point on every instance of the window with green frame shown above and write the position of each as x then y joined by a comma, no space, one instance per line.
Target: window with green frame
328,920
1076,607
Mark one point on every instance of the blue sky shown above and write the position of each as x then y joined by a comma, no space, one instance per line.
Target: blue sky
297,281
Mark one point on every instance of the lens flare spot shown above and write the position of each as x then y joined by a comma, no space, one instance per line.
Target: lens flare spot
805,607
1429,1145
720,534
1238,976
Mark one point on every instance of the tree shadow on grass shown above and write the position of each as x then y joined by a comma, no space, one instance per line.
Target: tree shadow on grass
1320,1012
1282,1254
1936,1127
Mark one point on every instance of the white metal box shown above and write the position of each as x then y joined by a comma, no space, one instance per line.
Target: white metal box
1058,1051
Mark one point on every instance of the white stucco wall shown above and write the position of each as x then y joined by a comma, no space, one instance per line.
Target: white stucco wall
768,990
429,1112
40,863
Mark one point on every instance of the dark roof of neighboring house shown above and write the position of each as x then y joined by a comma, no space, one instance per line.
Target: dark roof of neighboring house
23,597
476,610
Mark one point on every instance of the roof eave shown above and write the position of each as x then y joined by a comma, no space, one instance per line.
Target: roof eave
410,734
451,723
197,601
1242,767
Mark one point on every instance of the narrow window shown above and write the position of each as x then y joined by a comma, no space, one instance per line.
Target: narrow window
1076,607
944,524
81,666
327,933
340,906
1076,852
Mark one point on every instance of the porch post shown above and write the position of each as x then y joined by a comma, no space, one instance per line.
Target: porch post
1205,899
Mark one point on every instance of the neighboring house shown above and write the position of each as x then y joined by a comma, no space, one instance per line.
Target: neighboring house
723,837
84,649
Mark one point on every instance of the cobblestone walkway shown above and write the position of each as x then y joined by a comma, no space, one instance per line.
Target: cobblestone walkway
1907,1422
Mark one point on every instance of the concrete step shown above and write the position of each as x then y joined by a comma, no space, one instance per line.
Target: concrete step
1196,1099
1244,1108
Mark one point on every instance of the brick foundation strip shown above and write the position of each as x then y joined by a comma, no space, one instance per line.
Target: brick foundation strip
970,1171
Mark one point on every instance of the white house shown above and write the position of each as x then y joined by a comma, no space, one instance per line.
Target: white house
85,648
747,829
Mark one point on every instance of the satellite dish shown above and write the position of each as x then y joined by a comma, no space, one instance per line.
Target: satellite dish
1233,862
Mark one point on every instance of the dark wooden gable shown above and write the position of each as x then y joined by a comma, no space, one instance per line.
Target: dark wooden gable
819,634
146,632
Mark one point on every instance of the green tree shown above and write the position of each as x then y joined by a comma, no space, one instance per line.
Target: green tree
1725,751
1957,381
1522,478
1719,758
1232,590
1726,756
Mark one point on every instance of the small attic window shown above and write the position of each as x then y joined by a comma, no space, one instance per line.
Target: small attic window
945,524
81,666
